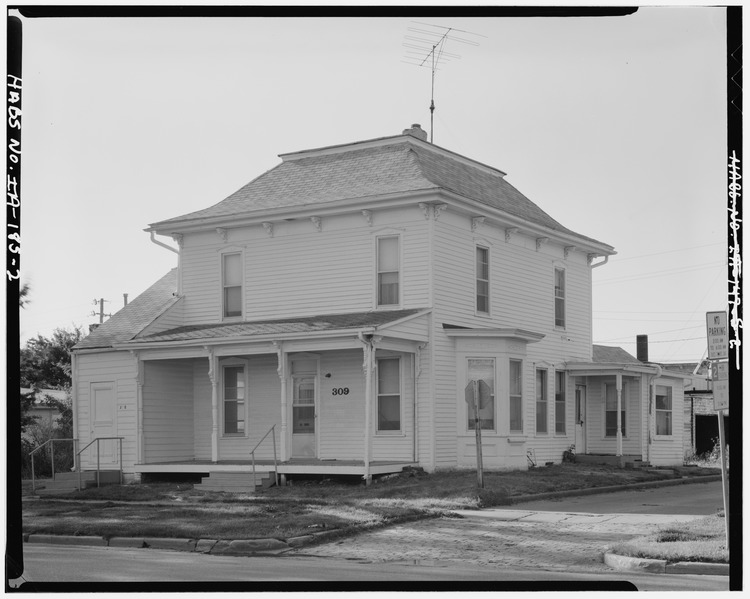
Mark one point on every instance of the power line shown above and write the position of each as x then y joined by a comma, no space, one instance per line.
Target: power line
695,247
659,273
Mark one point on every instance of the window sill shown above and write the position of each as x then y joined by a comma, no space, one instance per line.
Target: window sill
234,436
517,440
390,434
663,438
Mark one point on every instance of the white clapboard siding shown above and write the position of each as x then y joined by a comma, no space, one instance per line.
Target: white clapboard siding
341,417
300,271
168,411
119,369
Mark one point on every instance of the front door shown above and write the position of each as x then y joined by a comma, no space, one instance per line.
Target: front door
580,419
103,424
304,440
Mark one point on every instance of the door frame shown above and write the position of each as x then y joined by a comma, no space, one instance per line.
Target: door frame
305,372
104,446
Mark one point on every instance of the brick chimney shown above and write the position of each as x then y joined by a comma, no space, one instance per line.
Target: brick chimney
641,345
416,131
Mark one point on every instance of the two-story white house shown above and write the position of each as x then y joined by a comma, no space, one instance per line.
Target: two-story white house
352,298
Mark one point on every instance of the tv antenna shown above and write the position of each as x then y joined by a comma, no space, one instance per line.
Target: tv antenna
425,45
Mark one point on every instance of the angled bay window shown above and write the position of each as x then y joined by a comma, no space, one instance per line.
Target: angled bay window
234,400
389,394
559,402
231,281
663,402
388,268
560,297
481,376
541,401
483,280
516,397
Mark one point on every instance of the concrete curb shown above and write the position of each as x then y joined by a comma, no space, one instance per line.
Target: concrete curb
661,566
614,488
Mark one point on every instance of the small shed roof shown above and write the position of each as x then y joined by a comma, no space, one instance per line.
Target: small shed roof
134,317
603,354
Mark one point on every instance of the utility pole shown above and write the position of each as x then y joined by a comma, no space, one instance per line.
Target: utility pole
101,309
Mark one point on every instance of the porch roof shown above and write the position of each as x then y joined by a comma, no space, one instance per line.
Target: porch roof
299,327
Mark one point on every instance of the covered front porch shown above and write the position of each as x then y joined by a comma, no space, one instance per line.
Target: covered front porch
334,402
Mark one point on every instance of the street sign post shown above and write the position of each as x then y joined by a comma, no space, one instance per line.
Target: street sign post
718,349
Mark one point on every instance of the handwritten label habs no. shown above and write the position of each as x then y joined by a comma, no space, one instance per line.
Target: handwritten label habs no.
716,331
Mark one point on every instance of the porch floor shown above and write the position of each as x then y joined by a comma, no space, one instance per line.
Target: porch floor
293,466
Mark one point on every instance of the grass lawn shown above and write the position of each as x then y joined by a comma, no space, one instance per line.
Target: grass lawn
702,540
177,510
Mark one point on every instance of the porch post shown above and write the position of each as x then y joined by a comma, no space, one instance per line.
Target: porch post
212,374
282,371
619,414
139,379
369,352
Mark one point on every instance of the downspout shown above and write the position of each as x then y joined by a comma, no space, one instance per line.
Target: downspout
417,374
164,245
178,238
74,408
602,263
367,365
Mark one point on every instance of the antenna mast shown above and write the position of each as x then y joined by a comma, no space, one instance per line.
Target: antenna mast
430,44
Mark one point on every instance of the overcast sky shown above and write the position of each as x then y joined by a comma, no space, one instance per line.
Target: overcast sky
616,127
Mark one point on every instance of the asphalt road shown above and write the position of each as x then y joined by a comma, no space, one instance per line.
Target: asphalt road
74,568
694,498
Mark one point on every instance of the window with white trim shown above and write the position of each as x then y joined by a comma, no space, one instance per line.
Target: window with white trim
483,280
663,405
231,281
389,394
610,411
559,402
234,399
515,383
560,297
388,268
481,380
541,401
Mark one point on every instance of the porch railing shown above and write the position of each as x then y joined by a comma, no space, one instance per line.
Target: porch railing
272,431
98,458
51,443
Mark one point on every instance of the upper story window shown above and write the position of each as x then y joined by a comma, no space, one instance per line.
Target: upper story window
388,270
560,297
483,280
663,410
481,380
231,281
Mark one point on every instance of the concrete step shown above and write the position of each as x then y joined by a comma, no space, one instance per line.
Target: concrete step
235,482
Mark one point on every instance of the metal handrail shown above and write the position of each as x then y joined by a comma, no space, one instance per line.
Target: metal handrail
271,430
48,441
98,464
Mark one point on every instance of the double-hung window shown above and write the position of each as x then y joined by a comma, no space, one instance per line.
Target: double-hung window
483,280
541,401
388,270
560,297
481,381
559,402
234,400
663,402
231,280
389,394
516,397
610,411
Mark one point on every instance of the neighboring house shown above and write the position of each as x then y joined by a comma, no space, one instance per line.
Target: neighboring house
352,298
45,414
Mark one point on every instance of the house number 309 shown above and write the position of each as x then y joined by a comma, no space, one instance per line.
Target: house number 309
340,391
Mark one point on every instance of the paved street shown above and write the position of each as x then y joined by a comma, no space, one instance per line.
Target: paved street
536,541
